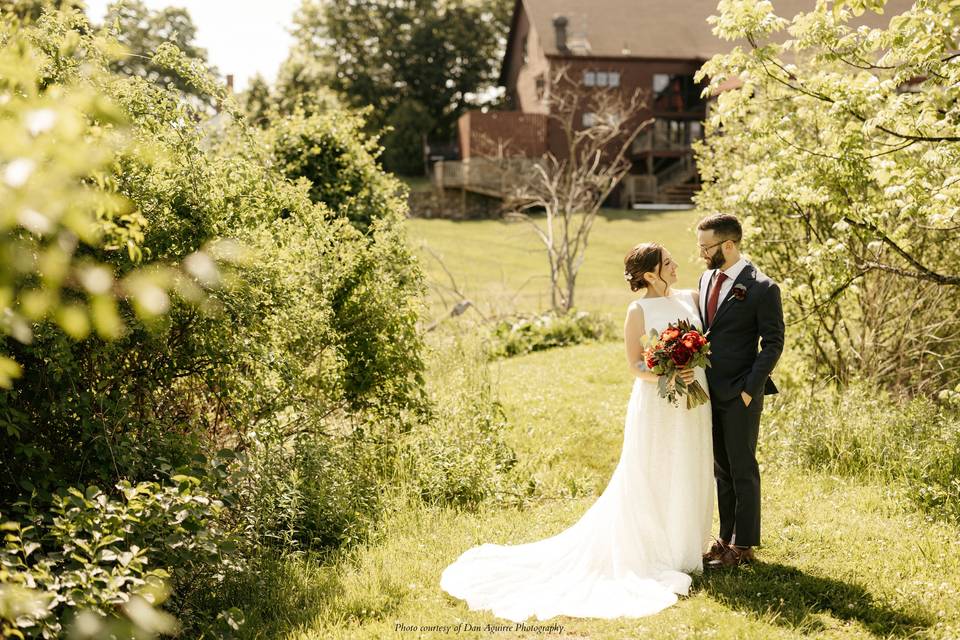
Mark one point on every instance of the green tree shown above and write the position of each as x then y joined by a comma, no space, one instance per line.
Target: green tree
142,31
402,56
256,101
28,11
841,149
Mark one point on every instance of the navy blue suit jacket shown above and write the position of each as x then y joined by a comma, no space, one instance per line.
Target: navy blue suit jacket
746,336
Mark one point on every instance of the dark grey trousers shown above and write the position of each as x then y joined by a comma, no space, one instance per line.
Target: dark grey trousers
735,431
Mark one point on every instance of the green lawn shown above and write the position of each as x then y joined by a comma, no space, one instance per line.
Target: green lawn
841,558
502,266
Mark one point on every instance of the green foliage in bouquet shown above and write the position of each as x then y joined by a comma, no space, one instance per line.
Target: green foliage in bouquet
678,346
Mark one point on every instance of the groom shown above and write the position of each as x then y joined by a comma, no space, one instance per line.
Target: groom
741,309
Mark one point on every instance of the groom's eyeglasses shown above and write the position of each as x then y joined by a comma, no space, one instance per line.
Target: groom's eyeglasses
704,249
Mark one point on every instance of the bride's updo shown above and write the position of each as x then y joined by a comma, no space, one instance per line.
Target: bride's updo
646,257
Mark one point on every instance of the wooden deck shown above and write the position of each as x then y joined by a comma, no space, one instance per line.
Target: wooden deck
500,178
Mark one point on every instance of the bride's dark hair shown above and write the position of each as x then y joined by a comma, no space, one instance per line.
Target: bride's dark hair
646,257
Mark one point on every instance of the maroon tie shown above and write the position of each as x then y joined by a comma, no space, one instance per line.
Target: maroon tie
715,297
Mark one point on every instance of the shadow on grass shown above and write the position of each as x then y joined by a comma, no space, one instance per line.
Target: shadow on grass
788,597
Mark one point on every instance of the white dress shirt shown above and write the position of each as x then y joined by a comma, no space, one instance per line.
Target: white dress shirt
732,273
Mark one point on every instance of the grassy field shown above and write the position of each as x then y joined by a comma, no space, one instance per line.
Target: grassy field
502,266
844,557
841,558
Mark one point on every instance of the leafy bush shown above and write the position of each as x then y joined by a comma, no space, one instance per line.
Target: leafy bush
838,146
331,151
311,491
548,330
72,247
459,457
304,360
861,432
323,319
95,553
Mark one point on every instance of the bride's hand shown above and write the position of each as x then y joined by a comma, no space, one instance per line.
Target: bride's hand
686,375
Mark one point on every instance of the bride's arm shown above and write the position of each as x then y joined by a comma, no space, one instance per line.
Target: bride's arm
633,332
696,300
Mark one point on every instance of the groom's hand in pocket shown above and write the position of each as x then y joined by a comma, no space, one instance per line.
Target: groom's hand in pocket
746,398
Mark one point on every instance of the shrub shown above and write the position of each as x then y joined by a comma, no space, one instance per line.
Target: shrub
459,457
548,330
331,151
309,492
95,553
861,432
306,356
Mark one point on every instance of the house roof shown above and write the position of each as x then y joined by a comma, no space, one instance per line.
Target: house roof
675,29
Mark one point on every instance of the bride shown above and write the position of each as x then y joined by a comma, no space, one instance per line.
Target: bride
630,554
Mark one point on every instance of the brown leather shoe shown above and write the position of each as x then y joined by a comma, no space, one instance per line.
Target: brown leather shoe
733,557
716,550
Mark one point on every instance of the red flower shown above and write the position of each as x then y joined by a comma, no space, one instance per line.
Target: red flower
670,334
690,340
681,355
651,361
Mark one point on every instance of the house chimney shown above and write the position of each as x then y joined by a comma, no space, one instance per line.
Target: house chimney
560,28
230,82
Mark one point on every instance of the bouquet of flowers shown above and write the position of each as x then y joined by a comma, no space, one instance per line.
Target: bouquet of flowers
678,346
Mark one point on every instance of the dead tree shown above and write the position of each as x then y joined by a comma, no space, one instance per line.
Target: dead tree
598,127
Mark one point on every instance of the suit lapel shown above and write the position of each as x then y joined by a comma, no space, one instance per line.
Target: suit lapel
747,277
703,299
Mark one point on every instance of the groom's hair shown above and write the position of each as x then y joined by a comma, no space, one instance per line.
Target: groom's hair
724,225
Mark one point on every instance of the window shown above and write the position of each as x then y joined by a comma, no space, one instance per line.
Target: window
601,78
589,119
541,85
676,92
660,82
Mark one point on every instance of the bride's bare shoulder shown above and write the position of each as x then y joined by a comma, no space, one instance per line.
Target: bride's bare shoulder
635,310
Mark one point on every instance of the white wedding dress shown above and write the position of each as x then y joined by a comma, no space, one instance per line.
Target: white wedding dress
630,554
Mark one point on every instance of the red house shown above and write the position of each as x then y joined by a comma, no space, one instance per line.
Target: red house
653,45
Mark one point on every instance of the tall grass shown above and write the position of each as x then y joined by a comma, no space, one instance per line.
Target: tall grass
864,432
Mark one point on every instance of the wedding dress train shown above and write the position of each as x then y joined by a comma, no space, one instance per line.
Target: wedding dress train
630,554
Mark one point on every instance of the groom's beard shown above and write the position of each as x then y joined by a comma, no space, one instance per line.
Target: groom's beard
715,261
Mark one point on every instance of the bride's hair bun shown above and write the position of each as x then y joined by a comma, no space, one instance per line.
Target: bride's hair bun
644,258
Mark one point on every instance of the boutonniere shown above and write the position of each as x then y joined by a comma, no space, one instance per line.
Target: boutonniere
739,292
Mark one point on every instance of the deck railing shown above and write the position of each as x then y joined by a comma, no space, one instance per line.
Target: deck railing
491,176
